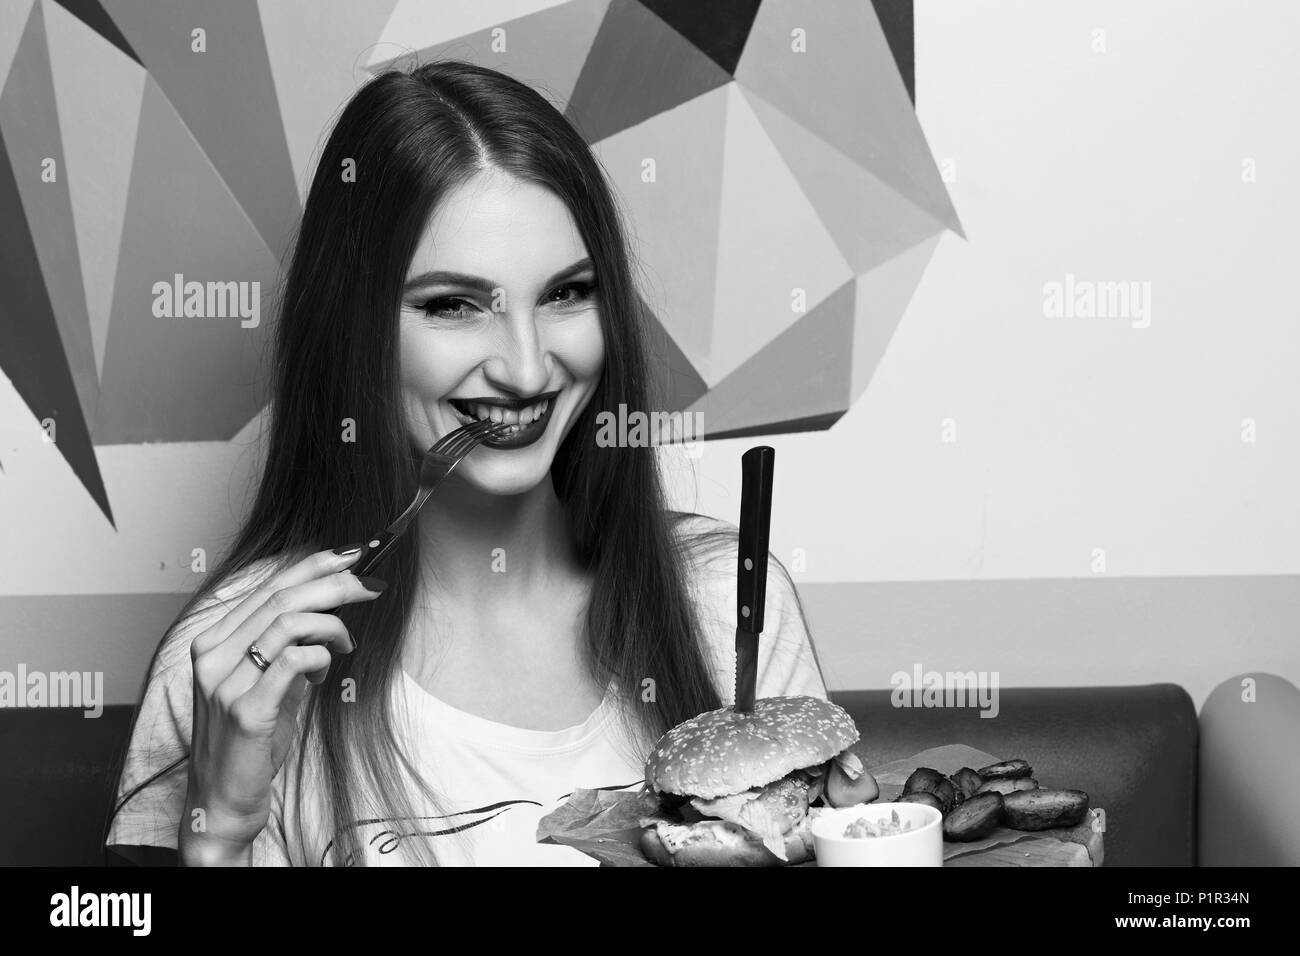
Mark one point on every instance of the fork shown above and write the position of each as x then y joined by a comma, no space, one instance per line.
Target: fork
439,461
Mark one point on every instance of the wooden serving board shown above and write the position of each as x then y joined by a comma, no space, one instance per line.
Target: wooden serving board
1065,846
605,824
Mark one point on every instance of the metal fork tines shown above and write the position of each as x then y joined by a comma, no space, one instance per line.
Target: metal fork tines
439,461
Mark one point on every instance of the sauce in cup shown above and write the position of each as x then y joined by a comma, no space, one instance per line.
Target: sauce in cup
879,834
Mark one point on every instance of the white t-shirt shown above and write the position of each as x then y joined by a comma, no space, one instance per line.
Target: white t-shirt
494,781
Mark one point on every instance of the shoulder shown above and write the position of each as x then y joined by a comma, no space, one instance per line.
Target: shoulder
787,660
710,550
704,542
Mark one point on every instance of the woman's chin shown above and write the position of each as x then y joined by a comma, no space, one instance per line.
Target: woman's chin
507,472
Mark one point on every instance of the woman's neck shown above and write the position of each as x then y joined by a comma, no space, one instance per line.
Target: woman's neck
502,608
477,547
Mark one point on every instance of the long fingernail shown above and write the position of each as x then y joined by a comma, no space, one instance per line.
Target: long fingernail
347,550
373,584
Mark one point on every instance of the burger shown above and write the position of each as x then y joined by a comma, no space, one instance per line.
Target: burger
736,788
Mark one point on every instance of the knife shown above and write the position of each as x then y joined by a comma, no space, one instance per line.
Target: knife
755,522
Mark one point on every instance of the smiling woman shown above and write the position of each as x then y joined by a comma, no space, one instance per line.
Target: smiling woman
544,621
524,347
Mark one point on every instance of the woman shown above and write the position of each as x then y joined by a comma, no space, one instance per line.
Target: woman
460,256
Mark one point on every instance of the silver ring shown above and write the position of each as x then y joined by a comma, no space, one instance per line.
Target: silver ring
257,657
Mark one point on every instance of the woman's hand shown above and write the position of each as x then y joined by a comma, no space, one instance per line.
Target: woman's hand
244,717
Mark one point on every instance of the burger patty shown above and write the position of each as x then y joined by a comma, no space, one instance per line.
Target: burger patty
672,802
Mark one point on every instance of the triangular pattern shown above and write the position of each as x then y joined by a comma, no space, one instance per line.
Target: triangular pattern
154,367
802,373
30,125
315,66
718,29
226,95
99,92
677,381
870,222
253,430
770,243
31,352
896,23
883,296
846,89
651,65
93,15
419,24
673,220
813,423
13,21
806,171
545,49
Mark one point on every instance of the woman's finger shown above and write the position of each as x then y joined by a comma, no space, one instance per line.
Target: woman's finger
313,566
257,711
321,594
292,627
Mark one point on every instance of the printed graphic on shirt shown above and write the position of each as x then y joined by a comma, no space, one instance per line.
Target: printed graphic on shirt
384,836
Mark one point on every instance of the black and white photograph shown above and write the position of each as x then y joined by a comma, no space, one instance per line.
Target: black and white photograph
591,434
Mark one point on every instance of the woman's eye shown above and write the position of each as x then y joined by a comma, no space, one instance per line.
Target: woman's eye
570,295
581,293
446,308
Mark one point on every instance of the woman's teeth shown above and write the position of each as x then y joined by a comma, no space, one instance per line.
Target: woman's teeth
509,416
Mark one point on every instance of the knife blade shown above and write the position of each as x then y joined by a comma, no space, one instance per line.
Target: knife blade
751,574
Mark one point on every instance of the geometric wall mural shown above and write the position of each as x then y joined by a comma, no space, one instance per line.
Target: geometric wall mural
793,211
775,170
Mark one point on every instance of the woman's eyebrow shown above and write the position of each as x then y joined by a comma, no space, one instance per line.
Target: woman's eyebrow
479,284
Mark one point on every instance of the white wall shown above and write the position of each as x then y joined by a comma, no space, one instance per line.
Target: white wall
1074,433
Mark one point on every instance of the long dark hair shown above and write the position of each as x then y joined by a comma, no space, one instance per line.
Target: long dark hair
411,138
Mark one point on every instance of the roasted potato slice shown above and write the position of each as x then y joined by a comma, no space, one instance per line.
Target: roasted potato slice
946,793
923,779
967,781
1005,785
1008,768
975,819
921,796
1043,809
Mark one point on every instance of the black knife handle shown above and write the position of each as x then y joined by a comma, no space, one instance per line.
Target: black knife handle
755,523
374,553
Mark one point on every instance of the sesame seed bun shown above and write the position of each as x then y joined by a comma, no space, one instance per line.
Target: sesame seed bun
723,752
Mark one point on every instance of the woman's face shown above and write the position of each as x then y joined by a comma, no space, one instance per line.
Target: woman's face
499,319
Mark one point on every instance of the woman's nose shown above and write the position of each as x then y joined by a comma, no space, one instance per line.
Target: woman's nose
520,360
